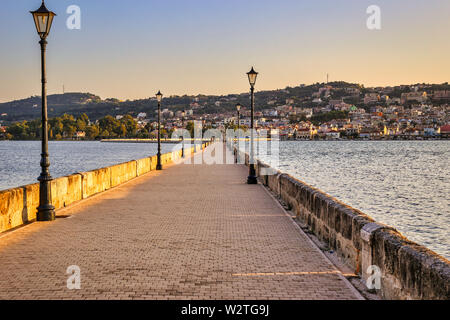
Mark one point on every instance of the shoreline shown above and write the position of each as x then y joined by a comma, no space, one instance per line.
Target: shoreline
139,140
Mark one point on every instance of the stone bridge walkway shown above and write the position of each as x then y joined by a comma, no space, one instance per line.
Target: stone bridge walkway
188,232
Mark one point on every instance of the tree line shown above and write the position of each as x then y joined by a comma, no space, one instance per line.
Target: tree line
67,126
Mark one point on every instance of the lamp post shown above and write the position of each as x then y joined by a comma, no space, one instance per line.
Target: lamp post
252,75
238,109
43,19
159,99
183,114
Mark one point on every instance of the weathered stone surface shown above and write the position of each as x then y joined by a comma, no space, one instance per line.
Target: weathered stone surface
143,166
66,190
358,222
96,181
368,230
123,172
410,271
154,162
31,201
18,206
11,207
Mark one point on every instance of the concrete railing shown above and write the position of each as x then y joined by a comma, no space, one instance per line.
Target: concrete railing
408,270
18,206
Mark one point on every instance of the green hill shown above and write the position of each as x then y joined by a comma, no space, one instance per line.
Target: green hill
58,104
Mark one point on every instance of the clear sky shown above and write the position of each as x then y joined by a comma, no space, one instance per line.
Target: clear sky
130,49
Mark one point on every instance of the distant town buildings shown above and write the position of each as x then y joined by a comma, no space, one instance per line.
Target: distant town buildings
330,111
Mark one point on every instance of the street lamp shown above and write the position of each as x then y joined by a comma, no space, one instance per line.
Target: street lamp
238,109
159,99
183,114
252,75
46,211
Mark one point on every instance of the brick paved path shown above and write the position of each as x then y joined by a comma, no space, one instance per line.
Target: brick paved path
188,232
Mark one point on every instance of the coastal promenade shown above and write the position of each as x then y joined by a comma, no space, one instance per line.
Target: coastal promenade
187,232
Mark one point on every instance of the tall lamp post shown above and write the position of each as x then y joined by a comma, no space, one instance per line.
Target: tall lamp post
252,75
183,114
46,211
238,109
159,99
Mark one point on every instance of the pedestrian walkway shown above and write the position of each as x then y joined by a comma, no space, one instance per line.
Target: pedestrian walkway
187,232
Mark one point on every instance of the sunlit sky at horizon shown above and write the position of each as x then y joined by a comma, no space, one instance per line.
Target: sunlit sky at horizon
131,49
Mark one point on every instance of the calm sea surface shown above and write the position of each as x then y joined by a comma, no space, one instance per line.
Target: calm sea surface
405,184
19,160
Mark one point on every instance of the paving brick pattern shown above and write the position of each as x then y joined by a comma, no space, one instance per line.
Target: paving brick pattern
188,232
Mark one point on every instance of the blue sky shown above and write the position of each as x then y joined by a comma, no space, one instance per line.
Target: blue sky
130,49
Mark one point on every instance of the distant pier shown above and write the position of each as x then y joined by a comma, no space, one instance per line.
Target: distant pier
191,141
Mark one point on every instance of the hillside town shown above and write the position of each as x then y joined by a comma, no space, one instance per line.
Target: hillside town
328,114
375,115
327,111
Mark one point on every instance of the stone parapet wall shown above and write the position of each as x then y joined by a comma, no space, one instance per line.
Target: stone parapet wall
18,206
408,270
